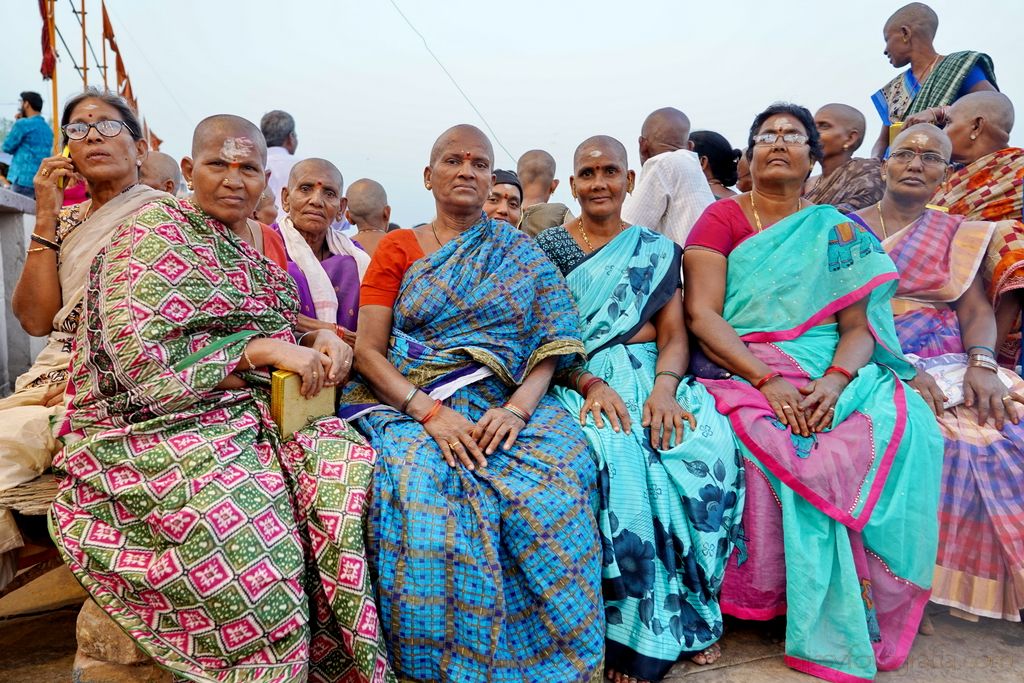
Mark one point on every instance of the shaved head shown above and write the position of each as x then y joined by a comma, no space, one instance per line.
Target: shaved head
919,17
600,145
366,198
847,116
667,127
536,167
458,136
160,171
991,105
229,132
913,135
319,166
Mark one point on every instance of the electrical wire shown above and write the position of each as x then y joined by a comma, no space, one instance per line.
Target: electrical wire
454,82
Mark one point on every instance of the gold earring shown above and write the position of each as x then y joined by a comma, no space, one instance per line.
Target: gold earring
188,183
427,185
846,147
973,136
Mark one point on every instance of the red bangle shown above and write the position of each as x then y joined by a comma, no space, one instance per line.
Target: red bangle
591,382
340,331
767,378
431,413
842,371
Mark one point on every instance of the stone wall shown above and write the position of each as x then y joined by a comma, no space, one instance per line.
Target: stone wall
17,348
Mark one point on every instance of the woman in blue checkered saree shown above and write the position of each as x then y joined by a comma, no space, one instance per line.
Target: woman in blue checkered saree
482,532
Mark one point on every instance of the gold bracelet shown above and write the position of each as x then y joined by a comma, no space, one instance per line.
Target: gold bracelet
36,250
245,355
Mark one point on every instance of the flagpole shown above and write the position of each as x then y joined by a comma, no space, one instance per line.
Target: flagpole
85,55
105,85
53,95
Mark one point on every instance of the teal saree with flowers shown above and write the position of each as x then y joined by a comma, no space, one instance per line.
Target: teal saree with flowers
841,526
668,517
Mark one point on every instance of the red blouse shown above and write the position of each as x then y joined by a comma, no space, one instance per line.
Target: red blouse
395,253
722,227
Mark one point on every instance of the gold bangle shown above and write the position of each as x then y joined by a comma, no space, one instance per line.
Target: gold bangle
36,250
245,355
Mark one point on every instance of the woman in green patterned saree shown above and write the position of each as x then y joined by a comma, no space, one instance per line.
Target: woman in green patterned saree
225,553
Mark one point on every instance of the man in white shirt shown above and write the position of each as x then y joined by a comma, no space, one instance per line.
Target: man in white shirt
671,192
278,127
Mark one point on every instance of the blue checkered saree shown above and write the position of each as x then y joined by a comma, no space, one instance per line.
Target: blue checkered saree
494,574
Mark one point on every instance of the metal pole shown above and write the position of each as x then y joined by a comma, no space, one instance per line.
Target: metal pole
85,55
53,93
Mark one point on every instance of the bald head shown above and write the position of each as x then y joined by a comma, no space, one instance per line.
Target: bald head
845,115
922,136
600,146
667,126
366,199
160,171
991,105
234,136
918,17
460,138
536,166
316,167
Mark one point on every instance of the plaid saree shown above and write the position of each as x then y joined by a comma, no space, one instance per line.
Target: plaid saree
494,574
903,95
980,565
992,189
224,553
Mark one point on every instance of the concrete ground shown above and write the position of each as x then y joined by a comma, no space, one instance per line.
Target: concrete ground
37,645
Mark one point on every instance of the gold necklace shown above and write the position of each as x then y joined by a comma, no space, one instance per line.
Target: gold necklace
583,232
928,71
757,218
881,218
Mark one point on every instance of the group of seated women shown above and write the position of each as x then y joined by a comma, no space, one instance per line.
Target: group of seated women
548,465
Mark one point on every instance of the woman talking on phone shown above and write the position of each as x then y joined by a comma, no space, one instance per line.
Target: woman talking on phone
103,144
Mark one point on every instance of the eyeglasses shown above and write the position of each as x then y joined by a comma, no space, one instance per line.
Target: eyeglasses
108,129
789,139
905,156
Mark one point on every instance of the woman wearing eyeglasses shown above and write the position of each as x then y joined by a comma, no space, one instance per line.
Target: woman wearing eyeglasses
843,458
104,138
945,318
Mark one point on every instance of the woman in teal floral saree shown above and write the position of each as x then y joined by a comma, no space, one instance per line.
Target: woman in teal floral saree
671,486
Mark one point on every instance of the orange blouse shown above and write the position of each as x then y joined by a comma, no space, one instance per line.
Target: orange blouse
273,247
395,253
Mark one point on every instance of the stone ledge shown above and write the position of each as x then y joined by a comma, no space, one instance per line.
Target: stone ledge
12,202
101,639
88,670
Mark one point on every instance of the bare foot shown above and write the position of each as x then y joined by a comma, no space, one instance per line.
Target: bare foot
617,677
709,655
926,628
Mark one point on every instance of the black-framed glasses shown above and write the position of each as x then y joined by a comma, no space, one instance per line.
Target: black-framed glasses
789,139
905,156
106,128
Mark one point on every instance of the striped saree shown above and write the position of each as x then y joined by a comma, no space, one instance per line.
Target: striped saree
841,526
980,566
494,574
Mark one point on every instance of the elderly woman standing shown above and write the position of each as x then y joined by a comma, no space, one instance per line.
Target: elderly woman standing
945,319
671,480
225,553
325,265
485,542
107,149
843,459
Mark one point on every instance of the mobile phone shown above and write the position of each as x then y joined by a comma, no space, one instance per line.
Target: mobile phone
66,153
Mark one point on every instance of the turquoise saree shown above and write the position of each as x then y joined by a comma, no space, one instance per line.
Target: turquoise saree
841,526
667,517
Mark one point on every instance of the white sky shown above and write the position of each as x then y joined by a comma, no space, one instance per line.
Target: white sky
366,94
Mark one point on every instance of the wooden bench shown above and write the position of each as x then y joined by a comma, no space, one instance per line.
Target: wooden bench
31,502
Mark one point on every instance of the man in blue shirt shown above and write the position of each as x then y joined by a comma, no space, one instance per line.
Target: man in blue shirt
29,142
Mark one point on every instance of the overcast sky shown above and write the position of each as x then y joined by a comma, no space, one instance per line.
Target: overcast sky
367,95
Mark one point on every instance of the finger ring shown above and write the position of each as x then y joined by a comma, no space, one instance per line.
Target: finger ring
45,172
451,445
1007,398
316,375
918,391
597,404
789,408
831,410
